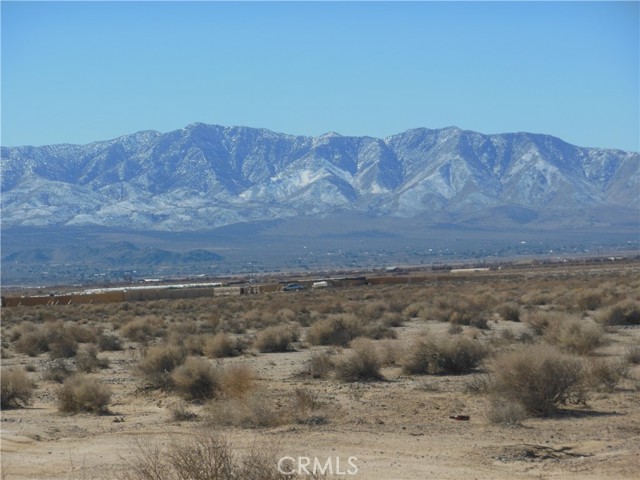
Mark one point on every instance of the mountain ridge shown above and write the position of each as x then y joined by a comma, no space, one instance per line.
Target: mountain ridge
206,176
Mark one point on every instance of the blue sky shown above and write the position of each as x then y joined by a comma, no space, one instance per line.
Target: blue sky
83,71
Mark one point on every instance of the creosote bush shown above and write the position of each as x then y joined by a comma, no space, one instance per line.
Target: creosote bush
539,377
443,355
81,393
17,388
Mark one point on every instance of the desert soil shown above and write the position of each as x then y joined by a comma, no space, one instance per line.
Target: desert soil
398,429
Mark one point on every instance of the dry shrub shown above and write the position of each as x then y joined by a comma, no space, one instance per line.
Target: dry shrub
505,411
539,377
254,410
626,312
63,345
82,333
221,345
321,364
16,387
632,355
237,381
374,310
461,311
337,329
55,370
81,393
443,355
180,412
158,363
574,335
417,310
278,338
539,320
204,457
510,312
196,379
87,359
606,375
32,343
143,329
589,300
361,363
109,342
391,319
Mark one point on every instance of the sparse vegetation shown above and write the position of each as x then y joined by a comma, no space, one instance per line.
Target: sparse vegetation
278,338
539,377
194,364
81,393
361,363
159,362
17,388
196,379
443,355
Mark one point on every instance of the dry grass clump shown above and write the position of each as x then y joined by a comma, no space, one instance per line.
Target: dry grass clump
360,364
158,362
81,393
278,338
443,355
539,377
16,388
574,335
626,312
204,457
196,379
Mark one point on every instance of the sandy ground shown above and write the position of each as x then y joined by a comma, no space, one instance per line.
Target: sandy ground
399,429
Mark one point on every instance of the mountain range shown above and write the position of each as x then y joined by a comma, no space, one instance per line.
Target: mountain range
207,176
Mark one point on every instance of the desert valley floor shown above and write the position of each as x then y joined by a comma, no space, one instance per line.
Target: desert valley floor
287,374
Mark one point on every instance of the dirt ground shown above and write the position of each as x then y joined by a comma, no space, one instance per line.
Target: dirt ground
398,429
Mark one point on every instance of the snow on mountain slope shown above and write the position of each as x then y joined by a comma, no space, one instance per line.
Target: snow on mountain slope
205,176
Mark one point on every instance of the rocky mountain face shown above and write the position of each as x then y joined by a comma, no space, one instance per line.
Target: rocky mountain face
206,176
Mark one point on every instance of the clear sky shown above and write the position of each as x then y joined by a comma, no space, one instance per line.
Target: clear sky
82,71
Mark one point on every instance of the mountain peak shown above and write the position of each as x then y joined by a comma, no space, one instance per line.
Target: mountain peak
205,176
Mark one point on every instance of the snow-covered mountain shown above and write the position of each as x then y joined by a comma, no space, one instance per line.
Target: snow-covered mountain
206,176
